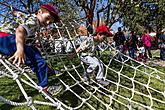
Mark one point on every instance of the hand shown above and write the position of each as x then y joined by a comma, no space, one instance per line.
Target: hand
18,58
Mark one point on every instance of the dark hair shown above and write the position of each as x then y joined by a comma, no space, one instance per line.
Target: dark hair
103,33
119,28
145,31
132,32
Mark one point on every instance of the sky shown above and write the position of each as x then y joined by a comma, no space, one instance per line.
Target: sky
114,26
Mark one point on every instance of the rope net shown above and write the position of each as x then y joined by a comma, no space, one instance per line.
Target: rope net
132,84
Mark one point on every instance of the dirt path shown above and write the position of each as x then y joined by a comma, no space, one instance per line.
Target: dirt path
156,59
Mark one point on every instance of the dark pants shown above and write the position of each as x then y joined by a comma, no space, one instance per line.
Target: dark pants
33,57
149,52
131,51
162,53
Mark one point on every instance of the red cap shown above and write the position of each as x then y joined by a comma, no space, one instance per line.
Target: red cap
53,11
103,29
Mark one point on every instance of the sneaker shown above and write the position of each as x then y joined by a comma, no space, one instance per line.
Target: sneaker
102,82
53,90
87,80
86,77
59,73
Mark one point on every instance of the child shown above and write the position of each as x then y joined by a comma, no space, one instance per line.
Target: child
12,43
141,51
87,49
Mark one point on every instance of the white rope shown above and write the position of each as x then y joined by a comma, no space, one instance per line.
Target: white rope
2,99
133,84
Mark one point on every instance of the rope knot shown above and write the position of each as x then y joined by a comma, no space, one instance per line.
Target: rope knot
29,101
15,76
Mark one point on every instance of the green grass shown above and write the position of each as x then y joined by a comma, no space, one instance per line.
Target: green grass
10,90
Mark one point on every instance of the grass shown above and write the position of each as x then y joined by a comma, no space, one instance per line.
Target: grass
95,95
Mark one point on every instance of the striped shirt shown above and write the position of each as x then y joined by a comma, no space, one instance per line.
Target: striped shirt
28,21
87,45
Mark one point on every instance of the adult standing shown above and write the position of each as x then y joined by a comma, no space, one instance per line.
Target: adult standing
146,40
162,45
131,44
119,39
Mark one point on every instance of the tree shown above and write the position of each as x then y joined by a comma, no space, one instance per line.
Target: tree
30,6
88,7
134,14
144,14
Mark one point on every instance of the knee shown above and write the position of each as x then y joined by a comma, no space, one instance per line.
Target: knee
42,63
92,68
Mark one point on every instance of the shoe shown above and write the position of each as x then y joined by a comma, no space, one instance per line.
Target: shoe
53,90
62,70
102,82
59,73
86,77
87,80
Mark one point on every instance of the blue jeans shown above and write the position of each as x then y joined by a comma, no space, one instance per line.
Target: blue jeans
131,51
33,57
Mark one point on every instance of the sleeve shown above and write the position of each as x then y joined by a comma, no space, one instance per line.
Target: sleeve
30,25
84,45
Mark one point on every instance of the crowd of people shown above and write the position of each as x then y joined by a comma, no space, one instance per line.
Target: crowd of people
138,47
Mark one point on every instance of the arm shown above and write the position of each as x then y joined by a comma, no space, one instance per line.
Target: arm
19,56
78,50
81,48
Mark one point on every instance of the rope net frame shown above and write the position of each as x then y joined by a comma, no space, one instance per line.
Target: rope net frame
133,85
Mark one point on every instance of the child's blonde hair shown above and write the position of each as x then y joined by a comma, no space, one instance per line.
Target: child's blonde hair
82,30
